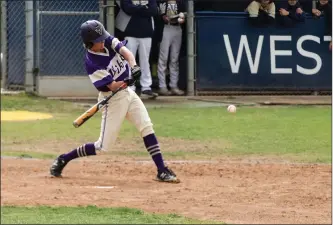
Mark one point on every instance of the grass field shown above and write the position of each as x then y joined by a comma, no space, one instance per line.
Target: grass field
296,134
87,215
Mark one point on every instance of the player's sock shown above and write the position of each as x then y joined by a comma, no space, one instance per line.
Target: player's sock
153,148
82,151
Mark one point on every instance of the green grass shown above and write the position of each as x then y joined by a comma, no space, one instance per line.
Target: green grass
301,133
22,154
35,103
87,215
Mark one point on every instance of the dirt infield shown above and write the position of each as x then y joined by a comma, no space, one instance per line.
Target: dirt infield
229,192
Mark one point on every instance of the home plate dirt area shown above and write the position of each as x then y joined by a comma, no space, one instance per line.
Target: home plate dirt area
228,191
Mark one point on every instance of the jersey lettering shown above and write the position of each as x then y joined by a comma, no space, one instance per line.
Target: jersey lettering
172,8
116,67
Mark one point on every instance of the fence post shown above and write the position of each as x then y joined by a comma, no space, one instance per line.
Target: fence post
29,51
37,44
314,4
110,4
101,11
4,44
190,48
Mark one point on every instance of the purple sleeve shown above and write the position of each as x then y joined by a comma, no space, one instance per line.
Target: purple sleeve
100,77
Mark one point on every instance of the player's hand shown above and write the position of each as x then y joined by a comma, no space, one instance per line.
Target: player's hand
129,81
299,11
181,20
166,18
316,12
283,12
136,72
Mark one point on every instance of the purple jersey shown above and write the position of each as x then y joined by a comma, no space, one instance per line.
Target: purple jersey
105,67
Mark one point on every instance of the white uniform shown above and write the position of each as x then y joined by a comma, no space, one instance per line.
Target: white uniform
125,104
102,69
171,42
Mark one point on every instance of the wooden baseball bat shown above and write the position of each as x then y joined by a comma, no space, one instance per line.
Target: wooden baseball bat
95,108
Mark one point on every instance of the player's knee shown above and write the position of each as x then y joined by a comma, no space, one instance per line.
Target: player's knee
147,130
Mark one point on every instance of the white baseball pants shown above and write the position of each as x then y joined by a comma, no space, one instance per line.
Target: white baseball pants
144,46
172,40
124,104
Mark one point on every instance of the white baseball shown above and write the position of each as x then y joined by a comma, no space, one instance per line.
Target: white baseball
232,108
180,20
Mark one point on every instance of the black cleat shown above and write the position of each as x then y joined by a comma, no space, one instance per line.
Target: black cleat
167,175
148,94
57,166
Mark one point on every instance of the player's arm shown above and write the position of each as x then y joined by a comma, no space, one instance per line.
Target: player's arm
153,8
120,48
115,85
127,54
135,69
132,9
102,79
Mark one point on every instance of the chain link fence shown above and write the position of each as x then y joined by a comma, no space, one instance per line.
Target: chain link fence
13,44
42,38
60,46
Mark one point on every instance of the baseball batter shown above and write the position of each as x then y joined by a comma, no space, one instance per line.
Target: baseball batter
172,12
109,64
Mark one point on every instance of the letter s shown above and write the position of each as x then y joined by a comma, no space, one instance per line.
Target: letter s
308,55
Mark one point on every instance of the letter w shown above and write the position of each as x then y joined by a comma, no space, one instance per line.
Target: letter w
243,44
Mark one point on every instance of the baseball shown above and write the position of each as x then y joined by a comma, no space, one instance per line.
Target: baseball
232,108
180,20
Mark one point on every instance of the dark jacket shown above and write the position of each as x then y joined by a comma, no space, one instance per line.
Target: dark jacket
270,1
292,12
326,11
140,24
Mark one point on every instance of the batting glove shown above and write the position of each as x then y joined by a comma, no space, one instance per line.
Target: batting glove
136,72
